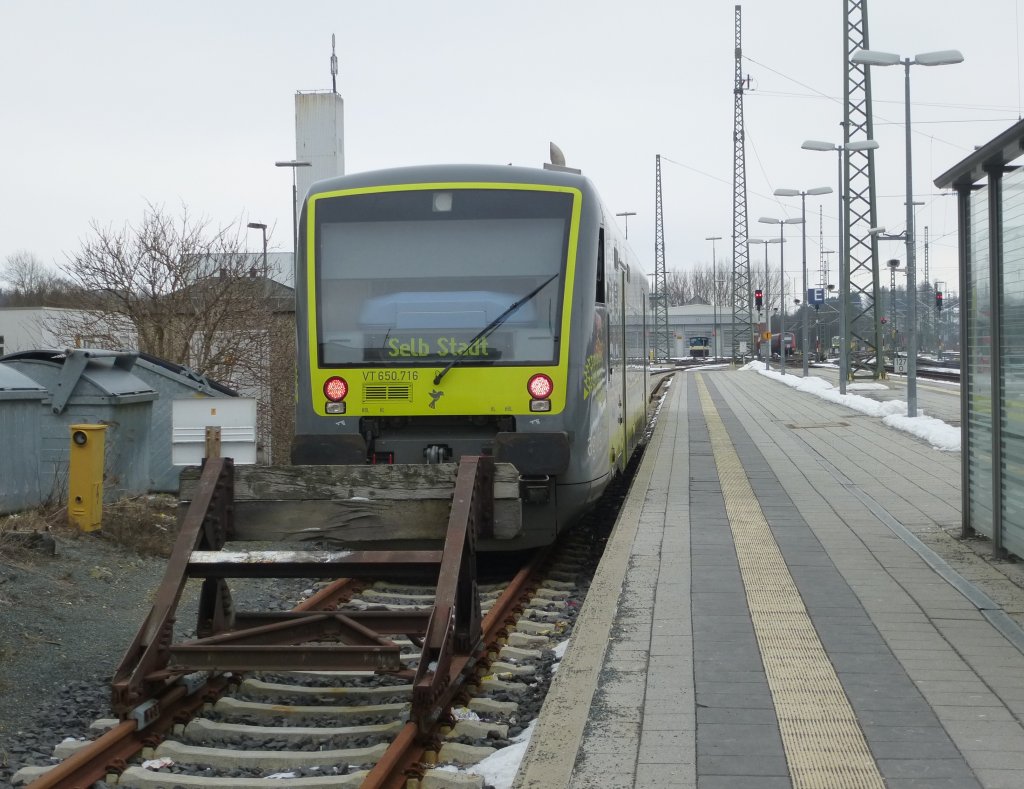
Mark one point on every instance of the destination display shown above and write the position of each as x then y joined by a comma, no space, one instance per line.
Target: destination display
436,346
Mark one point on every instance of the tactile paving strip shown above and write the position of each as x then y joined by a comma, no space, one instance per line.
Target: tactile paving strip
824,745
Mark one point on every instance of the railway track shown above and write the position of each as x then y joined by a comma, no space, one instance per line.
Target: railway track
336,728
375,680
351,727
925,370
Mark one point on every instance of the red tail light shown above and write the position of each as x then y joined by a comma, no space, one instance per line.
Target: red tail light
540,386
335,389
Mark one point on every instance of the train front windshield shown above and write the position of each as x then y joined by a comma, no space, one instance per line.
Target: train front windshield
411,277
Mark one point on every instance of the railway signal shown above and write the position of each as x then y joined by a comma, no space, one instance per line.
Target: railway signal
759,299
938,300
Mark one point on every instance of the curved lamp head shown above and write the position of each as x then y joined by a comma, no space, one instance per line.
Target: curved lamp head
853,145
873,57
944,57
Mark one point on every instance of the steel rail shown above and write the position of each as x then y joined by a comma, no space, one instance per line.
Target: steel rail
404,757
111,751
461,638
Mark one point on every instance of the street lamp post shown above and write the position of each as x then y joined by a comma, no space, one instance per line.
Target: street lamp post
263,229
939,334
765,348
844,245
818,190
819,354
782,284
293,163
831,290
870,57
714,294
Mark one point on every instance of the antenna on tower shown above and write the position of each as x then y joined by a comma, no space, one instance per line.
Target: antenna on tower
334,67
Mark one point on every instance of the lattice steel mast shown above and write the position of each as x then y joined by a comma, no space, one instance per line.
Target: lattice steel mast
822,257
859,267
742,296
659,299
923,309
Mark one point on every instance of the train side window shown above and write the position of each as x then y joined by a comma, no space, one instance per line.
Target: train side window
599,296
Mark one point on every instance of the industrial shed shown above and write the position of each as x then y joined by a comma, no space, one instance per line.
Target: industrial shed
20,409
172,382
90,387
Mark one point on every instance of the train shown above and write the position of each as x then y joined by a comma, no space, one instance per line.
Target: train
451,310
700,347
791,345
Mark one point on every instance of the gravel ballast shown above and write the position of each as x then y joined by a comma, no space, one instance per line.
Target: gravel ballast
65,622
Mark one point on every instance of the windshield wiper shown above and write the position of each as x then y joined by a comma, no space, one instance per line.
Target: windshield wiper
490,327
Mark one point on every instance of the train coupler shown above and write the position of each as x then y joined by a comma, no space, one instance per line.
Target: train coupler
535,489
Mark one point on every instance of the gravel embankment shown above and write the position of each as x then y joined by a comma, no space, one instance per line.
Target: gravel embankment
65,623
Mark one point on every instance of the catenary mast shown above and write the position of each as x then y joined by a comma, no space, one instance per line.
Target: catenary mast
742,297
659,299
858,270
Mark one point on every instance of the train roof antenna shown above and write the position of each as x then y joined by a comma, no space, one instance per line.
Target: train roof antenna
558,161
334,67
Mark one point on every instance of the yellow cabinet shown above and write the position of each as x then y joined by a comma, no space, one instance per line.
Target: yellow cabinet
85,476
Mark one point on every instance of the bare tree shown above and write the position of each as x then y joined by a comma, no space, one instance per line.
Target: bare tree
188,292
678,287
30,283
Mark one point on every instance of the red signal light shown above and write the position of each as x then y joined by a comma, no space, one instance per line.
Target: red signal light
335,388
540,386
938,299
759,298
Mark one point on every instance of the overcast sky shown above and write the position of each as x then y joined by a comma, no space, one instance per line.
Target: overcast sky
108,105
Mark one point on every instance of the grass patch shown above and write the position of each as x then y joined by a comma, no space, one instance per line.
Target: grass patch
146,525
17,533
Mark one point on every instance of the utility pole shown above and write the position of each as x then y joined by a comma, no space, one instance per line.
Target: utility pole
714,295
927,283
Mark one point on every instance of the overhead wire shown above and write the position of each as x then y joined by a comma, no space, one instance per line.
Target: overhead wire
881,120
824,95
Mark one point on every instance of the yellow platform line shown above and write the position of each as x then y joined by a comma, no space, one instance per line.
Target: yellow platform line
824,745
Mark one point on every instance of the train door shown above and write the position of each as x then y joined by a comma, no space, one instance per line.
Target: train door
623,405
620,440
599,378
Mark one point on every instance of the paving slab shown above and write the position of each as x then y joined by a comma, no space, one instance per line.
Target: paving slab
684,679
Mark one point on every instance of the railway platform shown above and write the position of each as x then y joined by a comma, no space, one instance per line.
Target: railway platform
783,603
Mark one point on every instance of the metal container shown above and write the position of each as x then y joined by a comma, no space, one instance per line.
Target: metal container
91,387
21,401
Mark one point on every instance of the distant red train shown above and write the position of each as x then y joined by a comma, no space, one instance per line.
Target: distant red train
791,346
